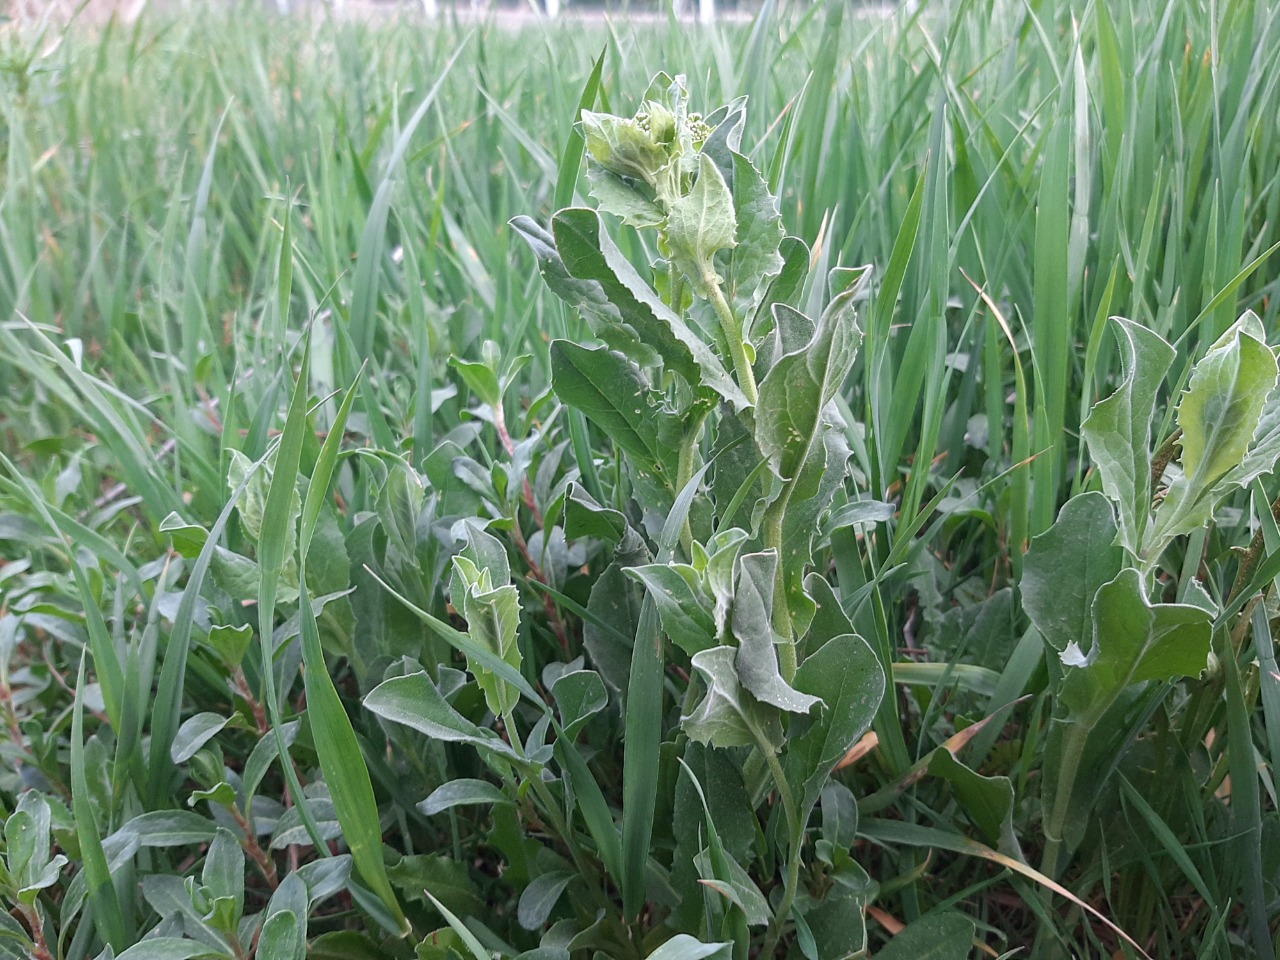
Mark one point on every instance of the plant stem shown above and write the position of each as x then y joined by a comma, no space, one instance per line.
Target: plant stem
795,831
553,813
32,915
684,469
1163,457
1073,744
513,735
1250,556
561,826
733,336
788,661
260,857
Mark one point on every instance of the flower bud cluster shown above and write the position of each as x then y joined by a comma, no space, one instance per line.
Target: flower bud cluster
656,149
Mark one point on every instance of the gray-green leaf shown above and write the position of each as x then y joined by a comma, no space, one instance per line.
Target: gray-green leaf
194,733
795,391
1133,641
223,874
493,621
1118,429
845,674
624,199
415,702
1219,415
168,948
1263,453
685,613
728,716
1065,567
755,259
613,394
282,936
938,936
757,660
700,224
461,792
684,947
588,253
583,517
539,898
580,695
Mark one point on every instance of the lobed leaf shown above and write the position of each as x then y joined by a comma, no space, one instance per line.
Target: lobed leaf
1133,641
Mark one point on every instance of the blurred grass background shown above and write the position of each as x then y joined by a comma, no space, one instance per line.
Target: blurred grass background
1075,162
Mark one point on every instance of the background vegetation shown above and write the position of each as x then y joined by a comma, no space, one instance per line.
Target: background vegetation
182,198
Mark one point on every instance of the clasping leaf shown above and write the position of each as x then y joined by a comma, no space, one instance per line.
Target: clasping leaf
482,593
1219,415
699,225
1118,430
1133,642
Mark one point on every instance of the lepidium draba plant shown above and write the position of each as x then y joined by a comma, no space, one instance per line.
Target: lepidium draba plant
728,666
1118,630
718,392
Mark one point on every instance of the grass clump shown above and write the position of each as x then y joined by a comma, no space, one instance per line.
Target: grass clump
413,548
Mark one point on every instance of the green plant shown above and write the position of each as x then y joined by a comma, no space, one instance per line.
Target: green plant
710,523
349,183
1115,643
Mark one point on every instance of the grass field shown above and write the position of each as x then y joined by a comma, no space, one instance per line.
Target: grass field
268,335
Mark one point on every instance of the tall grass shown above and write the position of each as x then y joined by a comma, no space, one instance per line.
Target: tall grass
182,197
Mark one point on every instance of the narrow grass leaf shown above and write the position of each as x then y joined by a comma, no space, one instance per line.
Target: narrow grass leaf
644,722
365,284
107,916
571,156
341,760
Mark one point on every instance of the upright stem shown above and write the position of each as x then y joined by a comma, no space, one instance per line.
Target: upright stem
788,661
251,846
552,811
32,915
733,336
1073,745
684,470
795,836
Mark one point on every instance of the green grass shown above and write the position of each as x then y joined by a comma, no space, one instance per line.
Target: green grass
184,201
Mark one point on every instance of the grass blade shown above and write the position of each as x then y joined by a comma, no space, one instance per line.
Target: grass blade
364,294
107,915
341,759
644,722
